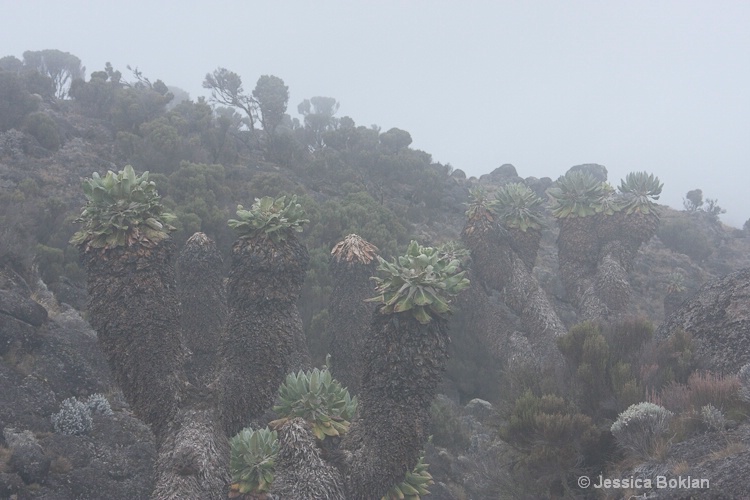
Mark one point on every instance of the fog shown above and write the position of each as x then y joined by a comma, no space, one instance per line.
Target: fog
544,85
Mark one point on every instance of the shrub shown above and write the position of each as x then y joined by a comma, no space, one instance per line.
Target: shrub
446,428
713,417
557,442
73,419
98,403
44,130
640,429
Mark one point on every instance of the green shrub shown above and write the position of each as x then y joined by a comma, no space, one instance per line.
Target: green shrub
446,428
641,429
44,130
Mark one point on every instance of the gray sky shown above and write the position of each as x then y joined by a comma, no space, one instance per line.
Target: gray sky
661,86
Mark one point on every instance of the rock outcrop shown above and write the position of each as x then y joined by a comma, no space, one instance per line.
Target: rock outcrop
718,318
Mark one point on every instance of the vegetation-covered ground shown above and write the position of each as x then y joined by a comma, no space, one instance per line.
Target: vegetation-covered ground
543,256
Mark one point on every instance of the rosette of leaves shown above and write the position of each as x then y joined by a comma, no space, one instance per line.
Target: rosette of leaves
639,188
609,202
251,462
121,209
414,484
479,202
518,207
274,218
318,398
421,282
577,194
455,250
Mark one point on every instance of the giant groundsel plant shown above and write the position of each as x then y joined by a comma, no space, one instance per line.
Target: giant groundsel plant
121,209
421,282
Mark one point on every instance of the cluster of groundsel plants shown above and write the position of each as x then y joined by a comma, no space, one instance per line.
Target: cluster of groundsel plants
319,399
518,207
251,462
421,282
414,484
638,189
579,194
121,209
274,218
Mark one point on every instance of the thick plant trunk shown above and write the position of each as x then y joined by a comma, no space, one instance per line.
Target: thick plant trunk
204,310
193,459
263,331
348,319
301,471
496,264
403,362
134,308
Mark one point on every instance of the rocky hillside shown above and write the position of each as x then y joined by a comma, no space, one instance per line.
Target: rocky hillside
503,427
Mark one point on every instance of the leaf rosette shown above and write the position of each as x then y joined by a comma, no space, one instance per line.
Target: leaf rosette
251,463
318,398
638,189
121,209
421,282
579,194
274,218
518,207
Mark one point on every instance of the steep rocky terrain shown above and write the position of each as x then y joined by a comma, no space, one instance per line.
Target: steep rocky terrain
691,276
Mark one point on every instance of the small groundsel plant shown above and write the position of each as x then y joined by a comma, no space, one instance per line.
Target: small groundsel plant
420,282
641,428
638,189
274,218
121,209
518,207
73,419
251,462
318,398
413,486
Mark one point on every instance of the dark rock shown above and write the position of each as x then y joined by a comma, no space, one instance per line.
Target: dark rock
28,459
458,174
480,409
9,484
599,172
505,170
539,186
718,318
69,293
22,308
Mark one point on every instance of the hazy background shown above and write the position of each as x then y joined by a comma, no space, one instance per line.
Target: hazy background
661,86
